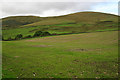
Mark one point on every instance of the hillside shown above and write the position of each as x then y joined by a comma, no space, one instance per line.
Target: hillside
16,21
72,23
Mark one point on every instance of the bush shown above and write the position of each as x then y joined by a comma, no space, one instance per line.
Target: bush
9,39
45,34
54,34
29,36
37,33
3,38
19,36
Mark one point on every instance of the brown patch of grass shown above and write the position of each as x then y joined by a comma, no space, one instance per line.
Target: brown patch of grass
41,45
82,49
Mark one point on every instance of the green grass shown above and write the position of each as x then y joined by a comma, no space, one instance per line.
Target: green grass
28,31
87,55
108,29
58,29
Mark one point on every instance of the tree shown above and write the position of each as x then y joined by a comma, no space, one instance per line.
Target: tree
37,33
19,36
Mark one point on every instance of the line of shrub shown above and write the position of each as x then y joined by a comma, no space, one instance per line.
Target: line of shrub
20,36
37,34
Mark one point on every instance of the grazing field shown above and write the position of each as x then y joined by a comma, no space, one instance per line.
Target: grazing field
85,55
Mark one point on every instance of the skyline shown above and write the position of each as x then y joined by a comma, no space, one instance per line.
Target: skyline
47,9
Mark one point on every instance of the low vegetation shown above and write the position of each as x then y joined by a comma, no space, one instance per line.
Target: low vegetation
20,36
87,55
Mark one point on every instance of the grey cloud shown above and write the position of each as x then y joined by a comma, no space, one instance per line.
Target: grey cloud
59,0
40,8
13,8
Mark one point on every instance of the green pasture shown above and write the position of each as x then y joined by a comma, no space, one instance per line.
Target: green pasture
86,55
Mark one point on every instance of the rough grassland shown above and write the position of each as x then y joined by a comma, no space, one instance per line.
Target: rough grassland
87,55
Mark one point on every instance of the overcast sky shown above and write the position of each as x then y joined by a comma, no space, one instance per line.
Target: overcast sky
45,8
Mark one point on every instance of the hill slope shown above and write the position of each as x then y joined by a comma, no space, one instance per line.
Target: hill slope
67,56
16,21
81,17
72,23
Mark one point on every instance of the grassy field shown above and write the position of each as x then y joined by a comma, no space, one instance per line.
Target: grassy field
86,55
